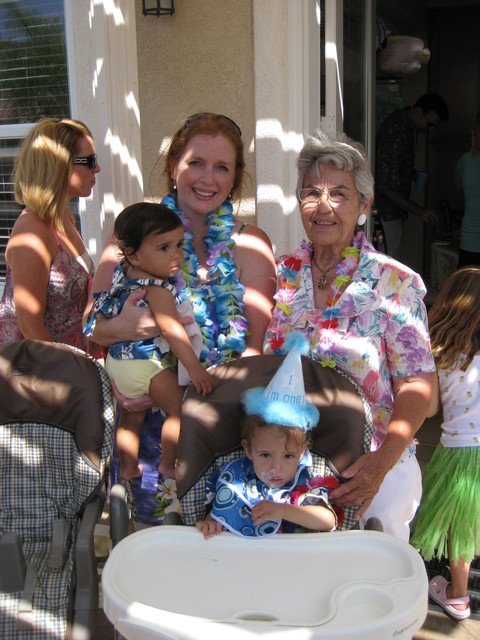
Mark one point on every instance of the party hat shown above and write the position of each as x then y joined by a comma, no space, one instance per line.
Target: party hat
283,401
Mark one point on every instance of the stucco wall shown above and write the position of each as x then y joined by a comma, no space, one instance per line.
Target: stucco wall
278,139
135,77
104,94
199,59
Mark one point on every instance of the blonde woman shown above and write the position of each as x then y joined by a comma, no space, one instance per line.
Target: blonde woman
48,267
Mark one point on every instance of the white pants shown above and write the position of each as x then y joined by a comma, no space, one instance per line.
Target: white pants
397,499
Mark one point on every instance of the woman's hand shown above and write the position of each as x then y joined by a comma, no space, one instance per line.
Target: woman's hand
132,404
138,320
363,480
132,323
413,399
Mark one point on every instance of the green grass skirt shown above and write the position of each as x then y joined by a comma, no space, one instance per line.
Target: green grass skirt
450,502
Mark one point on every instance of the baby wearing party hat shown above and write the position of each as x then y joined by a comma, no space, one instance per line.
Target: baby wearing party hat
273,487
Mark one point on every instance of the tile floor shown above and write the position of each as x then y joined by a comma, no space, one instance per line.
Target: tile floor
437,625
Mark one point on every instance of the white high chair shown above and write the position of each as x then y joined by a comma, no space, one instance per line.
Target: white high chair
335,586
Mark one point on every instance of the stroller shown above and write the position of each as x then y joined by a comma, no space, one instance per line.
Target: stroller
56,430
362,584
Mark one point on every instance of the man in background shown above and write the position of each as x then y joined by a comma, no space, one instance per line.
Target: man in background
394,166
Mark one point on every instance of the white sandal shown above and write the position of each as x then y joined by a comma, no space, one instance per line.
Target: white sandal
437,590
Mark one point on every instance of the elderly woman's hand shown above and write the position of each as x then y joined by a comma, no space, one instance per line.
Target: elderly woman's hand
363,479
413,401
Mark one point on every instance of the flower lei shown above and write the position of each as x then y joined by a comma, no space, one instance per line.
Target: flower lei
344,272
226,295
289,279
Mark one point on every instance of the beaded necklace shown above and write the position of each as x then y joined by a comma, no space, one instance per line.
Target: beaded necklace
223,337
344,272
289,280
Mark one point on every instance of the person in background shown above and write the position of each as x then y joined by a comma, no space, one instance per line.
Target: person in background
394,166
448,520
467,178
363,312
228,273
48,267
150,238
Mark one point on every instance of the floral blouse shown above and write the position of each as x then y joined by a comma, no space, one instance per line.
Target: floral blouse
376,330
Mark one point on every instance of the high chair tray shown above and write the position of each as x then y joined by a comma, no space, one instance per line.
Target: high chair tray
168,582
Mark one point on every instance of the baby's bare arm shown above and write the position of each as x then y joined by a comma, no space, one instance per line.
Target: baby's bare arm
209,527
163,307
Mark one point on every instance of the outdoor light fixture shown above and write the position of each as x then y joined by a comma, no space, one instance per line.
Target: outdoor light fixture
158,7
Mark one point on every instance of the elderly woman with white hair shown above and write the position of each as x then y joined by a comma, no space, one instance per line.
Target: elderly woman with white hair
363,313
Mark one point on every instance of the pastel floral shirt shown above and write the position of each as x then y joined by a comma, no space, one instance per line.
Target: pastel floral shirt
460,393
377,328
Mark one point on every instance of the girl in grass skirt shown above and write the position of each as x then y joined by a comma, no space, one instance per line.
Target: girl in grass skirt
448,520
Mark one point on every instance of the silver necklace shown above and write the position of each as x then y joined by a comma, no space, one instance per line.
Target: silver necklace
322,281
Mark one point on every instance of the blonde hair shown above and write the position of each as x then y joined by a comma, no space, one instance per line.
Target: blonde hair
43,167
454,319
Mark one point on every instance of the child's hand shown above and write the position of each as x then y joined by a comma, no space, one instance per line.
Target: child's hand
266,510
209,527
202,380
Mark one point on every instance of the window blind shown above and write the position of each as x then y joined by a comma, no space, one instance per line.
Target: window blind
33,62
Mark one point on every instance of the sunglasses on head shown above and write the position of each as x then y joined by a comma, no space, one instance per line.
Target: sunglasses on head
198,117
89,161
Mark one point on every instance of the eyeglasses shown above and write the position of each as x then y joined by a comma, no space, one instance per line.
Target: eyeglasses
89,161
336,196
198,117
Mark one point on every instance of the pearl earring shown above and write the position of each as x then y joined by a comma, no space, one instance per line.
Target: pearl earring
362,218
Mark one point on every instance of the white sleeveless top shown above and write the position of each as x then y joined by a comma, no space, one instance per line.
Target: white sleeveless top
460,394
